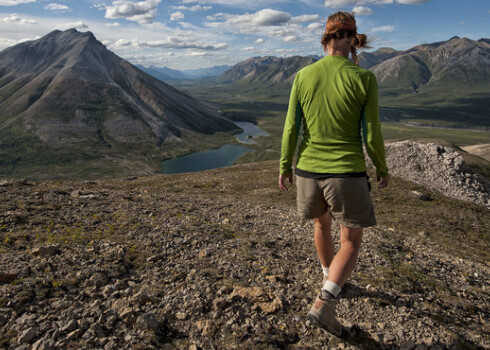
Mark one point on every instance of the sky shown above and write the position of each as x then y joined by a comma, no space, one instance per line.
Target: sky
191,34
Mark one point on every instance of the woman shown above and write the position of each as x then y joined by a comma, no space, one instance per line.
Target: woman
337,103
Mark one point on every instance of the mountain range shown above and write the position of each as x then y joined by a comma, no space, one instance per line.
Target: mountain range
458,62
172,75
447,79
66,91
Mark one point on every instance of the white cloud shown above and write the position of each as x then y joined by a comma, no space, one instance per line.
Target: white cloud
115,24
291,38
249,22
141,12
13,18
77,25
56,7
387,28
192,8
14,2
269,17
362,10
305,18
260,41
198,54
236,3
176,16
314,26
171,42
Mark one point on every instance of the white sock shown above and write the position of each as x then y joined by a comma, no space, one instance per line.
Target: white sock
325,271
332,288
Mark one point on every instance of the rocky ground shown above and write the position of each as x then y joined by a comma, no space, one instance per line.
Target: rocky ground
219,260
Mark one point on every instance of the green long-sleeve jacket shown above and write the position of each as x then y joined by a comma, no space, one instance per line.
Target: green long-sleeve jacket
337,102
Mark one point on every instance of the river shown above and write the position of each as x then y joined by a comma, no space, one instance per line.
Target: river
218,158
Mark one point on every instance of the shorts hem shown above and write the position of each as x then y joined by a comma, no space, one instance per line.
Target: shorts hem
357,225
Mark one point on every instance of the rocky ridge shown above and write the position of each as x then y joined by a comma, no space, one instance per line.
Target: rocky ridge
438,168
219,260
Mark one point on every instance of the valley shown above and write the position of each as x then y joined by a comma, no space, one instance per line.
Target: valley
85,113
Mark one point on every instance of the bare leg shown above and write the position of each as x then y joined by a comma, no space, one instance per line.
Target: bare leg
323,239
345,260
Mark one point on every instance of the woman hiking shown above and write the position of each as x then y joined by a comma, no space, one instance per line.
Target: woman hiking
336,101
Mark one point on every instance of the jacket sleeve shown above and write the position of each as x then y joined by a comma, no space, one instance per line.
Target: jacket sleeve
291,130
373,139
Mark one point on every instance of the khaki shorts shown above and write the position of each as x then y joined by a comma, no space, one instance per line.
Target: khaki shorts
347,199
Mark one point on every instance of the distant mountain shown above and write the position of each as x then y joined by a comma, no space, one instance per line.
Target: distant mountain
171,75
370,59
66,89
206,72
459,63
266,70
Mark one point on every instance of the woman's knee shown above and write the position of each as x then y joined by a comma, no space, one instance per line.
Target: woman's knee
323,220
351,237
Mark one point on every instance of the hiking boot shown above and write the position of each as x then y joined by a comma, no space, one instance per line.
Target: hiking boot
323,315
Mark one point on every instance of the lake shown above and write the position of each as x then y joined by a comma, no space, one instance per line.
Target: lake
217,158
250,131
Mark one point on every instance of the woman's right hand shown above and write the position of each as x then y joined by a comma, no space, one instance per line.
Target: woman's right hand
383,181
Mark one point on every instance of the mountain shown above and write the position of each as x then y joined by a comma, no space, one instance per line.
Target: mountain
459,63
172,75
370,59
266,70
206,72
163,73
66,91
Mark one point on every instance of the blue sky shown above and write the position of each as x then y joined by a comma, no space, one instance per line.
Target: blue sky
188,34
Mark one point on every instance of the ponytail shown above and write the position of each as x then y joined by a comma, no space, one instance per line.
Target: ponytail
358,41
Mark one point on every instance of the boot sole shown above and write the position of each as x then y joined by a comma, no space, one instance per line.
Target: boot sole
313,320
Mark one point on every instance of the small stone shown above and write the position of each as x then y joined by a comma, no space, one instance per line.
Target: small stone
203,253
43,344
74,335
45,251
108,290
70,326
421,196
127,315
181,316
225,221
219,304
207,327
271,307
27,336
141,298
147,322
154,258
